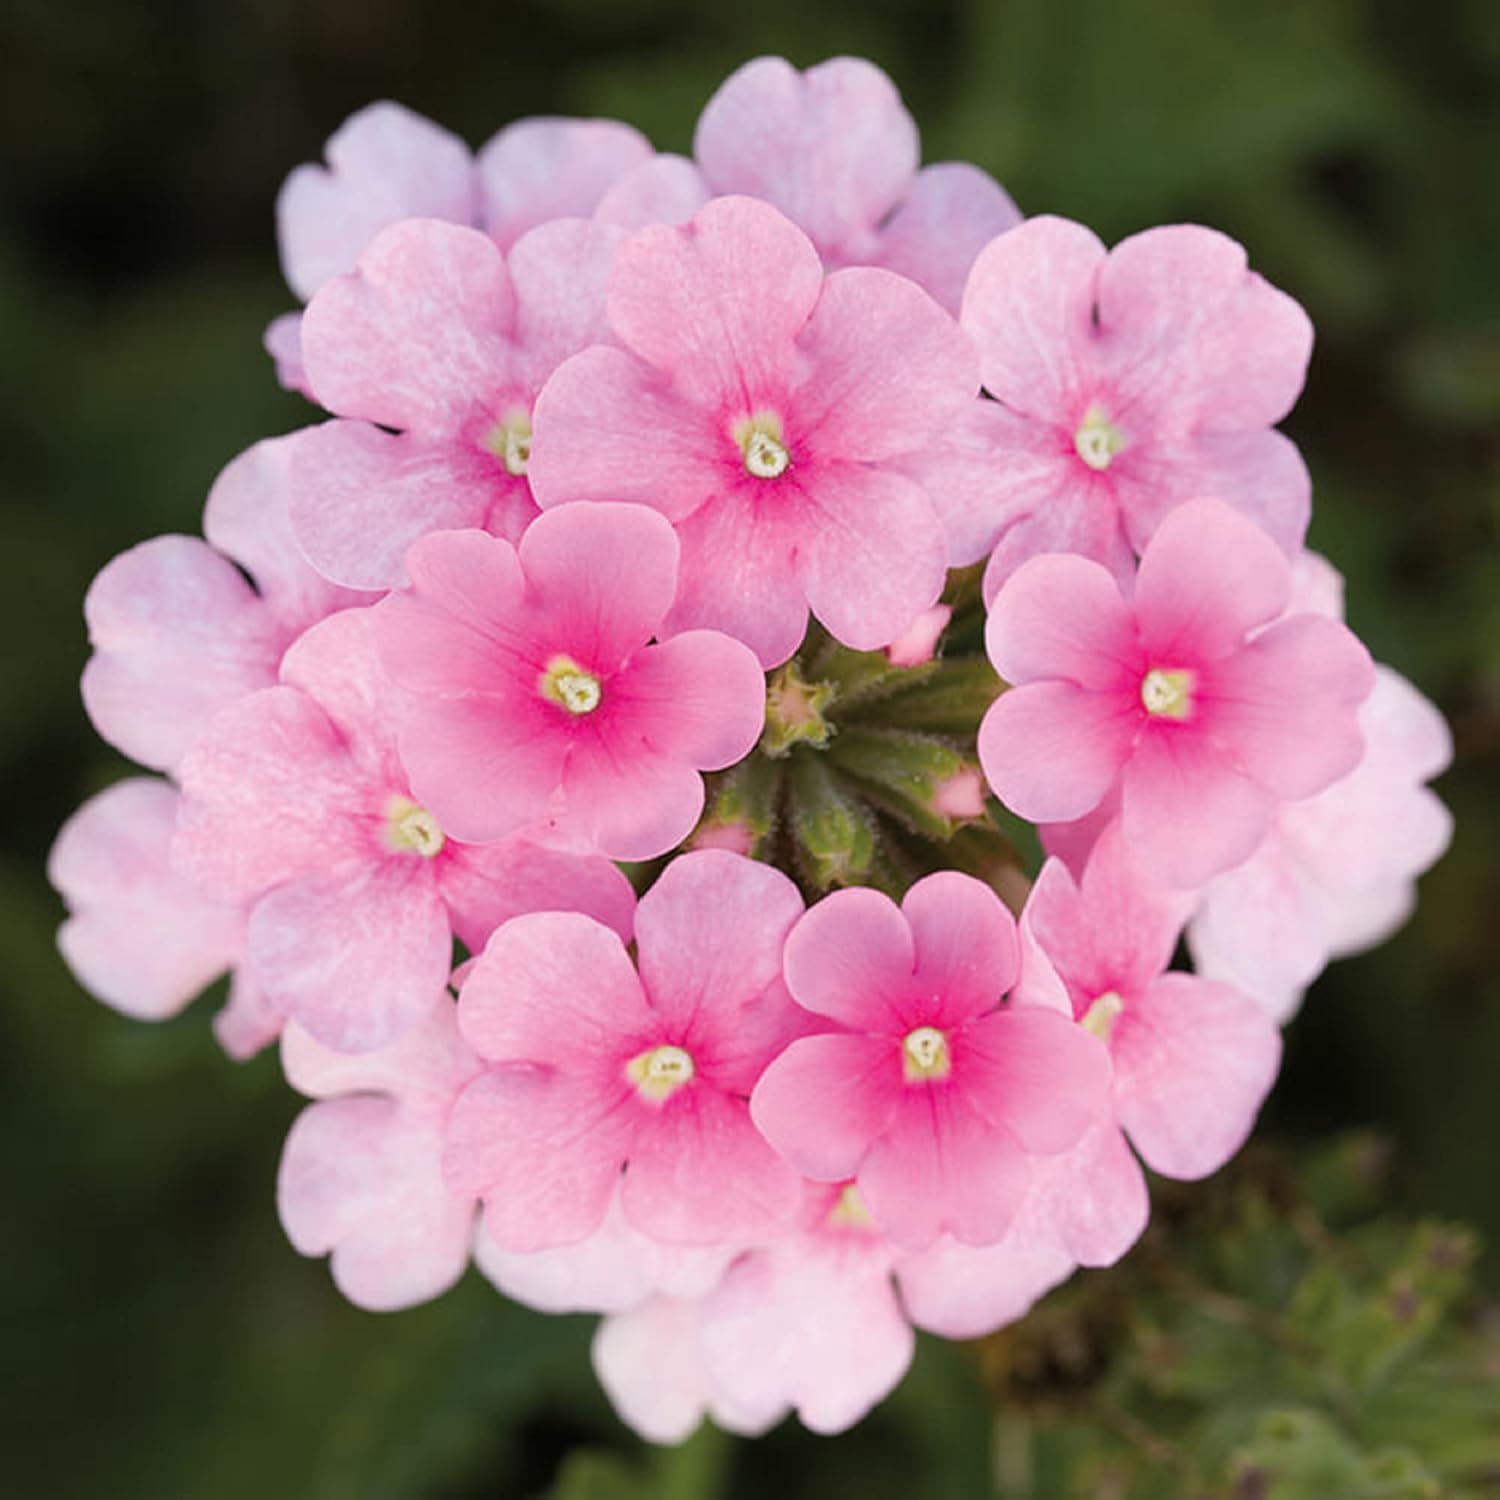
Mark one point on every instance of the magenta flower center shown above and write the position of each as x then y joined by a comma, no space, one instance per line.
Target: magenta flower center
510,440
1167,694
570,686
1098,439
660,1072
762,445
410,829
924,1054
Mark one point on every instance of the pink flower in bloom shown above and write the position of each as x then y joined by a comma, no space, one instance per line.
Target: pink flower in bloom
1204,728
386,163
438,334
760,408
1125,382
138,935
361,1175
1193,1058
836,151
597,1069
534,693
935,1095
177,632
295,804
1336,873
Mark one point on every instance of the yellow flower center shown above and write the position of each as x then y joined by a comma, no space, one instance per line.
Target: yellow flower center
760,441
925,1054
660,1072
1101,1015
568,685
849,1212
1098,439
510,440
1167,695
410,829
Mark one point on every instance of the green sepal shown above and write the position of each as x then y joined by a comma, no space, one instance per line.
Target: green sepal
833,837
747,796
951,698
901,773
796,711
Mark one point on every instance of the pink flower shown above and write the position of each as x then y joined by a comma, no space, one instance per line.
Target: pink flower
386,163
177,632
1125,383
534,693
836,151
1336,873
440,335
761,408
934,1095
361,1176
918,643
1193,1058
1204,729
597,1068
295,804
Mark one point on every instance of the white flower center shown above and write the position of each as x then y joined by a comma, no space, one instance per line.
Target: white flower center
510,440
1167,695
410,829
1100,1016
760,440
925,1054
1098,439
660,1072
567,684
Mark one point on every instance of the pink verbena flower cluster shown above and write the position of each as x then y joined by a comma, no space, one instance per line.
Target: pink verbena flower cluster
696,558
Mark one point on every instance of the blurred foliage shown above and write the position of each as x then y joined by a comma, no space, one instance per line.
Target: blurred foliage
160,1339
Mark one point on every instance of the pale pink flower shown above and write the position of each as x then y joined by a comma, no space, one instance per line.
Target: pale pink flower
597,1069
918,642
386,163
935,1095
361,1177
296,805
438,334
535,696
1125,382
1193,1058
1336,873
834,149
177,630
761,409
1204,720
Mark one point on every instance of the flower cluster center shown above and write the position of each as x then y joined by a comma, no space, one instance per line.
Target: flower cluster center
1098,439
510,441
567,684
760,440
1166,694
660,1072
410,829
925,1054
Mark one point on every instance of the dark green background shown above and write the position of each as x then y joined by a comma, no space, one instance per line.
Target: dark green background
161,1339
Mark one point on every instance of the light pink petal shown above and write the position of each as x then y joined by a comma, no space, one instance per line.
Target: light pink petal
918,644
1188,812
942,1168
855,402
701,1174
360,497
138,936
965,941
666,189
1404,732
1067,514
510,1120
818,1330
362,1179
552,987
626,800
1073,841
425,1067
873,555
177,634
1029,306
601,577
1063,617
337,664
833,148
1208,578
282,340
710,934
851,958
826,1099
1193,1060
247,1021
950,213
1093,1196
1052,750
1287,704
1365,918
356,954
608,427
548,168
1039,983
967,1291
1203,335
1034,1074
560,271
718,302
384,163
417,337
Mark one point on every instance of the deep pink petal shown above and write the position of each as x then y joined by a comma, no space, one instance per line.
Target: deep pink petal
1193,1060
965,945
625,799
851,958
